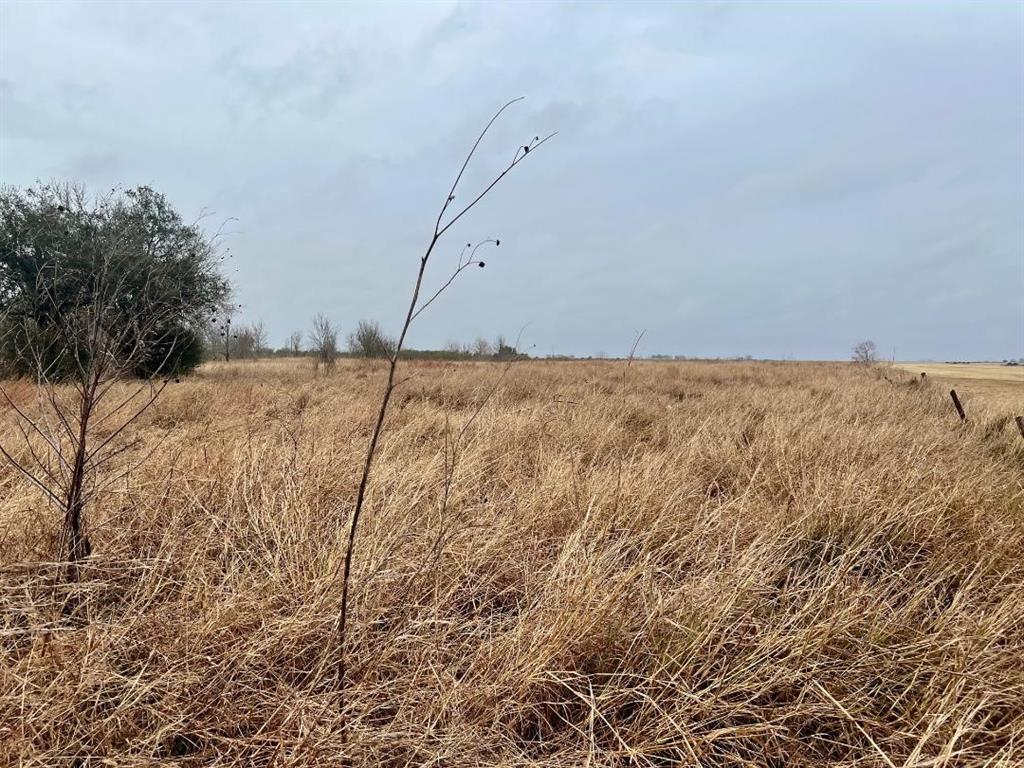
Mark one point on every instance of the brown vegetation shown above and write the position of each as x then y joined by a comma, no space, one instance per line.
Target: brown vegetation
1001,387
697,564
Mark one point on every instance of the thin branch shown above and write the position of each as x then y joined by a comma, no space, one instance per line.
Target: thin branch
465,164
31,422
491,186
152,399
29,476
471,262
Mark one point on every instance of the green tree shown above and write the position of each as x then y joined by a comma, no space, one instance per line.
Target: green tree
59,249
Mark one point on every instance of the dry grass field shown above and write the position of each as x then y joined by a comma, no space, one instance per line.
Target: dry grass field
716,564
992,382
971,371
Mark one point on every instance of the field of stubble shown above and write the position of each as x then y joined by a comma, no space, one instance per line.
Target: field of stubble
734,564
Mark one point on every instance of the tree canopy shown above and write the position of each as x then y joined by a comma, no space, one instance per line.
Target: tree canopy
63,252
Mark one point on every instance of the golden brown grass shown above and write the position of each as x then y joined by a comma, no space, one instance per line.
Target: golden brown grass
711,564
968,371
1000,386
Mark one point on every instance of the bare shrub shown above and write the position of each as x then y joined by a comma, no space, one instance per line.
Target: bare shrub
865,353
249,341
369,340
481,347
259,338
323,340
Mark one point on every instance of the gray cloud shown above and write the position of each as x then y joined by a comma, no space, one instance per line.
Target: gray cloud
738,178
89,165
309,81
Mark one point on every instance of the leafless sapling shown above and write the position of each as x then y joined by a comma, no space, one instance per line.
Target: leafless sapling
100,342
441,227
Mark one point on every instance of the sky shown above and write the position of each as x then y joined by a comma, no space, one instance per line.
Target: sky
778,180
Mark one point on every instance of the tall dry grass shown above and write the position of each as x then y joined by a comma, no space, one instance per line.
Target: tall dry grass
711,564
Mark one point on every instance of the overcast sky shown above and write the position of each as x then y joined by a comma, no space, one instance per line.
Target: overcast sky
778,180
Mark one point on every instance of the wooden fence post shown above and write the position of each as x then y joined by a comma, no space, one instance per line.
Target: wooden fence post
957,405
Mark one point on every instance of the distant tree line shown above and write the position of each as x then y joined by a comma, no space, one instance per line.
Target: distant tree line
366,341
